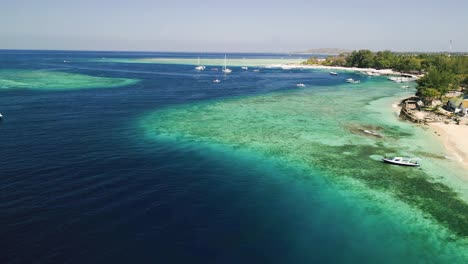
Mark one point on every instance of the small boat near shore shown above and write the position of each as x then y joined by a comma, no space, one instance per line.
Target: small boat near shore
300,85
333,73
402,161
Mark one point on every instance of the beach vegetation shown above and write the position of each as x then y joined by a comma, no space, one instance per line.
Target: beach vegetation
361,59
335,61
312,61
442,72
429,94
402,62
384,59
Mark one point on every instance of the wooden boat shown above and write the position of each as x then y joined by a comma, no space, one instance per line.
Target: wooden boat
402,161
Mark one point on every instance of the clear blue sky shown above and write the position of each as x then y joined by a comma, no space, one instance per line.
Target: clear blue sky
227,26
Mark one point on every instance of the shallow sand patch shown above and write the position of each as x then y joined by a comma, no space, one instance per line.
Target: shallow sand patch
54,80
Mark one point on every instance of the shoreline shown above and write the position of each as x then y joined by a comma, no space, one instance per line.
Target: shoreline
453,138
339,68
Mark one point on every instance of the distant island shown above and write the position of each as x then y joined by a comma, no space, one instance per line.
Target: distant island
324,51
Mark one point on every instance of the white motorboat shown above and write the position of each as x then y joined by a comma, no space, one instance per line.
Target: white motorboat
216,81
333,73
226,70
200,67
1,116
244,67
300,85
402,161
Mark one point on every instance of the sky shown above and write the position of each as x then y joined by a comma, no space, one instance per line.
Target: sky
234,26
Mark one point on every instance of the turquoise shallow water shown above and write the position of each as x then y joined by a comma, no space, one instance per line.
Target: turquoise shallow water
321,130
56,80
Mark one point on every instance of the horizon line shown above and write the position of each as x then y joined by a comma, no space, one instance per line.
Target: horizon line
253,52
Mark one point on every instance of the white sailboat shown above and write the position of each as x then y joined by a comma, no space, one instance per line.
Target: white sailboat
199,67
226,70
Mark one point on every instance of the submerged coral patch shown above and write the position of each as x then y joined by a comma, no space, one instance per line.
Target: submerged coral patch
54,80
313,131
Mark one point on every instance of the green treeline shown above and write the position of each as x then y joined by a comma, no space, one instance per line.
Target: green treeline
442,72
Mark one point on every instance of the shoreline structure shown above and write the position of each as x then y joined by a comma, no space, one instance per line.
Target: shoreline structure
452,136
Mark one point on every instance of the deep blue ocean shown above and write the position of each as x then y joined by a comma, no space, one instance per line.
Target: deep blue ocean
79,182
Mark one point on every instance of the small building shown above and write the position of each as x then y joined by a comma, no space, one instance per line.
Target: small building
458,105
411,105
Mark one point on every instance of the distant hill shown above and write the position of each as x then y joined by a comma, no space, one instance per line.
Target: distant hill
325,51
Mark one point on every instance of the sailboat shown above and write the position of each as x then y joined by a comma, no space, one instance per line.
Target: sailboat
199,67
226,70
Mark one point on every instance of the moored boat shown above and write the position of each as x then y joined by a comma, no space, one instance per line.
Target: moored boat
351,80
300,85
200,67
225,69
333,73
402,161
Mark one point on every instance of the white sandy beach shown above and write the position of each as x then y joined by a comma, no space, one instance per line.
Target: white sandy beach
335,68
454,137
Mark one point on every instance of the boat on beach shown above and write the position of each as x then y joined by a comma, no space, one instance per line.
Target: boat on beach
402,161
